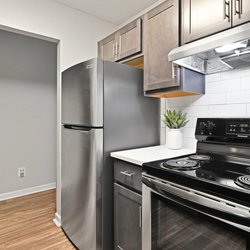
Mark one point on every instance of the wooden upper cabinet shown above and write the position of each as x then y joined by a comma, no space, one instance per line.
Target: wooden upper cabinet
241,11
130,39
107,49
161,35
201,18
124,43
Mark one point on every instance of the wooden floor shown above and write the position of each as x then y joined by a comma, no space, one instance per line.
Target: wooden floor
27,223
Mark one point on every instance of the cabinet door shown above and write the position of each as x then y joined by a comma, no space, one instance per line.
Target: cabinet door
107,48
161,35
129,39
241,11
201,18
127,219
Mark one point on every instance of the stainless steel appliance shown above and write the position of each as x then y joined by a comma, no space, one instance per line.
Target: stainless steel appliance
224,51
201,201
103,110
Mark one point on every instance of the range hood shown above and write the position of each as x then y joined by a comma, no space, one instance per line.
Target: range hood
224,51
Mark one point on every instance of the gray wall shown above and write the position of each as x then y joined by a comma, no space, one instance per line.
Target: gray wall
27,111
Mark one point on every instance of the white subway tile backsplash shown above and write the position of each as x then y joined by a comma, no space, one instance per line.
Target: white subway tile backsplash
223,86
188,132
191,121
179,102
189,143
227,95
163,136
213,77
239,97
235,74
199,111
236,110
245,83
248,110
163,106
162,123
216,98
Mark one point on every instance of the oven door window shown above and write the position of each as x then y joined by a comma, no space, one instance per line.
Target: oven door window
178,228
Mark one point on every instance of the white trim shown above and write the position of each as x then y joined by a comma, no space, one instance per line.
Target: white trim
59,108
57,220
27,191
30,34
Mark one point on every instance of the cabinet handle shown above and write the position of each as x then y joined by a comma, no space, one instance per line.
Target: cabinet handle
116,51
127,173
238,8
113,49
120,46
227,10
174,70
140,216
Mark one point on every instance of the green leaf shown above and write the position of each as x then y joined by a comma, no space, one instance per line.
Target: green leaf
175,119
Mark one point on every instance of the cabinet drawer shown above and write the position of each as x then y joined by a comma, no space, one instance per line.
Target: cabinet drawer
128,174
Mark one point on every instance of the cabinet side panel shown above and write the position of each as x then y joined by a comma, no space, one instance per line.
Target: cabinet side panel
130,121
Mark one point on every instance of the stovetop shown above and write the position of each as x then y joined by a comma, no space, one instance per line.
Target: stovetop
213,174
221,165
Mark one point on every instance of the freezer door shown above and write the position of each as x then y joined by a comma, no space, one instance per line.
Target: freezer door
82,156
82,94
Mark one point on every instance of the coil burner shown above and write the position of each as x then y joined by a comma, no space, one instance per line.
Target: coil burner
200,157
243,181
181,164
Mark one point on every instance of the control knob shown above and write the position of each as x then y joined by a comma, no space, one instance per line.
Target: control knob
203,127
211,127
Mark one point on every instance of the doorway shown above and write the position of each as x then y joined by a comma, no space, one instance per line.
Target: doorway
28,111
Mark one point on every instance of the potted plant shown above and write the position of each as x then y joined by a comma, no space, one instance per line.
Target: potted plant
174,120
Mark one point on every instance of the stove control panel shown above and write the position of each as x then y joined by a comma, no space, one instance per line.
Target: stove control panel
238,128
207,127
223,127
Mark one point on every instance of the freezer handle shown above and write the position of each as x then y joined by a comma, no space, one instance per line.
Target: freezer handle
74,127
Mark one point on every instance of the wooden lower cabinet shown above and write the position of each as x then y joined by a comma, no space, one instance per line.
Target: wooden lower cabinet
128,208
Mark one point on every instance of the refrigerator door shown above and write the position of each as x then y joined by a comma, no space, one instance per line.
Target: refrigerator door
82,155
82,94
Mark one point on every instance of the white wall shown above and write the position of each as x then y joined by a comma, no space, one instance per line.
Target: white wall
227,95
78,32
28,80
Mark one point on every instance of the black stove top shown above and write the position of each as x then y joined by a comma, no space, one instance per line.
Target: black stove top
216,176
221,165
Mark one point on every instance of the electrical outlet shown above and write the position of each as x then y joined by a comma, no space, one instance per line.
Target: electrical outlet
21,172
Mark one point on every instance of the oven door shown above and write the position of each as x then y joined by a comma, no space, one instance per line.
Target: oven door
178,218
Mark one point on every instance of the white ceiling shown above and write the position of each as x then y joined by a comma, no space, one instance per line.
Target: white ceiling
113,11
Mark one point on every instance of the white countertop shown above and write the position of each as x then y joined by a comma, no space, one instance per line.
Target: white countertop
142,155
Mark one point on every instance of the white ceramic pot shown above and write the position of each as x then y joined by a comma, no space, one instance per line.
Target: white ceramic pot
174,139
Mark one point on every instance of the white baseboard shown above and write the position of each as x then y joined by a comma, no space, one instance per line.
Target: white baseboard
57,220
27,191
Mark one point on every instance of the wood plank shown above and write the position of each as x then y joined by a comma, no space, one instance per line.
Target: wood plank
27,223
136,62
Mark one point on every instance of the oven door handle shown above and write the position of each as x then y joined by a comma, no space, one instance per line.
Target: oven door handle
223,210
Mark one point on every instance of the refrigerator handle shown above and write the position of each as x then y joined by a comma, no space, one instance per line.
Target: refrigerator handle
74,127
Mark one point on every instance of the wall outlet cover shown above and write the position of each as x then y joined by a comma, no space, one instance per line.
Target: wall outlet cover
21,172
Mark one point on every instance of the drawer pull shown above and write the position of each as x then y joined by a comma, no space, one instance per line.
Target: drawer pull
127,173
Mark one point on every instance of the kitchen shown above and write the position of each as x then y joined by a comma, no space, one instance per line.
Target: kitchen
226,93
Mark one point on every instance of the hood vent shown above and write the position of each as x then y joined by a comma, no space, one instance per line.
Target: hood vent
217,53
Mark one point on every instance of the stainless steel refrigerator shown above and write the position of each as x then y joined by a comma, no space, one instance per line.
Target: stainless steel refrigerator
103,110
